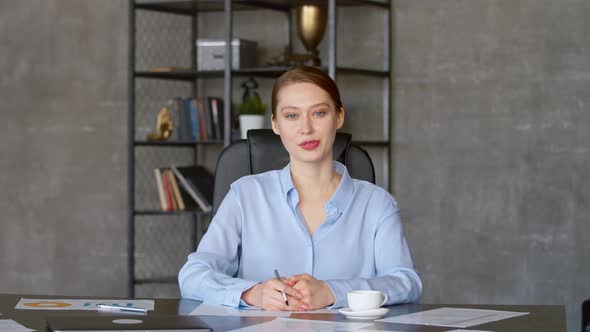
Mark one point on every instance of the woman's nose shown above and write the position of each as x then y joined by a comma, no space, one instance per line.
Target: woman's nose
306,125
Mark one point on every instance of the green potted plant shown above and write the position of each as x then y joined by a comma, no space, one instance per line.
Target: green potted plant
252,110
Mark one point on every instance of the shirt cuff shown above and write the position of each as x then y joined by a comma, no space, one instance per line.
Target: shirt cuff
340,290
234,295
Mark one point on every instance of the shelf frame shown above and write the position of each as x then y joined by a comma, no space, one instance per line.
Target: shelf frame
131,155
192,8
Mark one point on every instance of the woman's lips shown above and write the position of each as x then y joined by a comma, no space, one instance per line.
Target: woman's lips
309,145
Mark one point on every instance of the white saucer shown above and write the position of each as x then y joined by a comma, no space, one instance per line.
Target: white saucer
365,314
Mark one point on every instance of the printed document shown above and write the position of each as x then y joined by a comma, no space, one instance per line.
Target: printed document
453,317
79,304
205,309
10,325
304,325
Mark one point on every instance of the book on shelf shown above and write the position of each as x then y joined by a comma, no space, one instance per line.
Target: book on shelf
208,109
218,116
180,118
189,203
187,188
203,125
185,120
168,193
177,198
160,187
196,119
191,108
197,181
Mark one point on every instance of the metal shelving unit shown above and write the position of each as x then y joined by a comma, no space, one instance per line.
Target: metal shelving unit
148,89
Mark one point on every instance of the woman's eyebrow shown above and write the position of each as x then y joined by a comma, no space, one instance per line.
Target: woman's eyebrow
297,108
320,104
284,108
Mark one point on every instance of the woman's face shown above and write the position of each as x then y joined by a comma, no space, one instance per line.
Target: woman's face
306,119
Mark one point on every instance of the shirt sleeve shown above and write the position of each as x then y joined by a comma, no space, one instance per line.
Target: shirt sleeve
208,273
395,274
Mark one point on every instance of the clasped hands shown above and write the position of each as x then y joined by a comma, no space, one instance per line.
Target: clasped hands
304,292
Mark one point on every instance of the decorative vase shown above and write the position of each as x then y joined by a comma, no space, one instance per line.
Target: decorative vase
311,25
250,121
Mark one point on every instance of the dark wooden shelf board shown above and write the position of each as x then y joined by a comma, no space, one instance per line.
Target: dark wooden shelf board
160,212
161,280
176,143
365,72
371,143
189,7
271,72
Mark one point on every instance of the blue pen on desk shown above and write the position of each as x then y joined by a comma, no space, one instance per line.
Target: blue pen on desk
278,276
120,308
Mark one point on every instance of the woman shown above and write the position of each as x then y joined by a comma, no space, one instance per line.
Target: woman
327,232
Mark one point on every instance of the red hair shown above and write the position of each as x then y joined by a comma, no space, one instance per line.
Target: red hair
305,74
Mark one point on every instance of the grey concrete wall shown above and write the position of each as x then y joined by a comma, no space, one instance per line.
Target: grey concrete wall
491,149
63,93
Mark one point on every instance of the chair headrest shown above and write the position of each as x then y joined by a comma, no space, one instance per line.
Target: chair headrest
268,153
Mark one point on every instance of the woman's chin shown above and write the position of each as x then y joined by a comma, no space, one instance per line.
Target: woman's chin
309,158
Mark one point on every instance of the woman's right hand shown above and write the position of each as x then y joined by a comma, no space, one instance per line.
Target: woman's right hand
267,295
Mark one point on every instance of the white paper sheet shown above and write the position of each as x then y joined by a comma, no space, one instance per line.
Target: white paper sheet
303,325
205,309
468,331
78,304
9,325
453,317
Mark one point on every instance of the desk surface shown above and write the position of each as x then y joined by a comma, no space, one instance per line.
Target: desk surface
541,318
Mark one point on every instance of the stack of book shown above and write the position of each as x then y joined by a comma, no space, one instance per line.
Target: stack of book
197,119
188,188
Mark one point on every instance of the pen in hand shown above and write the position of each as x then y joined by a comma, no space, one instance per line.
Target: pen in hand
279,279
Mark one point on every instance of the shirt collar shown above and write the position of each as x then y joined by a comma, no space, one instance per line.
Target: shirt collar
286,180
341,198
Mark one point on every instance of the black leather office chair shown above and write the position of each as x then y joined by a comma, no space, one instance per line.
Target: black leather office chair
586,316
263,151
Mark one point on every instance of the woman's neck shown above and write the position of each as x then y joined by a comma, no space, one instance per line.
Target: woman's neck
315,180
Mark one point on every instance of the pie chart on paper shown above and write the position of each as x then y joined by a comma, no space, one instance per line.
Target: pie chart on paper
47,304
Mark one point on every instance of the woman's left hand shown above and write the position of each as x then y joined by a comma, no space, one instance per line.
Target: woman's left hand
316,293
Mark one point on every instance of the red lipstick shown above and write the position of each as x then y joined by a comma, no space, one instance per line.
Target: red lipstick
310,145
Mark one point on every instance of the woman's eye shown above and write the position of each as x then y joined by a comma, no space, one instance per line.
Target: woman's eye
319,114
291,116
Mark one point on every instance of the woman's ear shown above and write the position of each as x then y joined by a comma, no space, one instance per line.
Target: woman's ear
274,124
340,118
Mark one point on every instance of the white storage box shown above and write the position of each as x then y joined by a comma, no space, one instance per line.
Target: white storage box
211,54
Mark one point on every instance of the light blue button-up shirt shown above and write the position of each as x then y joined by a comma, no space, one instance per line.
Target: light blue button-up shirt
258,228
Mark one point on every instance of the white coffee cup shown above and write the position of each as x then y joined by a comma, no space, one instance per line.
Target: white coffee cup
360,300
